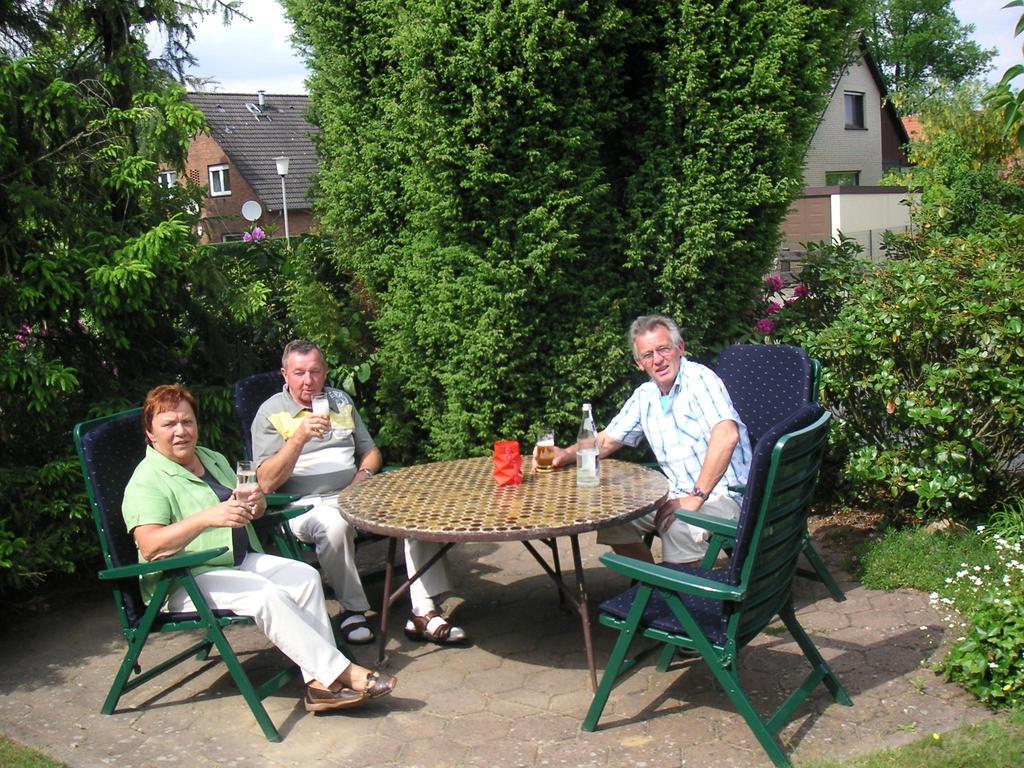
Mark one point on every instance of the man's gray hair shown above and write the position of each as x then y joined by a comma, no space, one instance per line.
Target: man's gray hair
300,347
646,323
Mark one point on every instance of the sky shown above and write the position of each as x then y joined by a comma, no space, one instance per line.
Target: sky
245,57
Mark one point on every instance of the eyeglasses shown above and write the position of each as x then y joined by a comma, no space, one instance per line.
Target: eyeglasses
648,357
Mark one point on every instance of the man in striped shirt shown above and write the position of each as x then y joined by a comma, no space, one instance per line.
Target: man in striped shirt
319,457
697,437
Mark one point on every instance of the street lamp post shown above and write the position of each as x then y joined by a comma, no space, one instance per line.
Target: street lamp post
282,171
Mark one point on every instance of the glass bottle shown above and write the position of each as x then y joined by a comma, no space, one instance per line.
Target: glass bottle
588,463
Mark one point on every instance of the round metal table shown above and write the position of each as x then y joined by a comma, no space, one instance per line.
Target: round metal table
457,501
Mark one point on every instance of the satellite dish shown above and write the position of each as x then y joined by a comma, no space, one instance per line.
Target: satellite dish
251,210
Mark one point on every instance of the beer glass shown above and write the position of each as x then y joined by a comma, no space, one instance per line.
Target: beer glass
545,450
322,407
245,476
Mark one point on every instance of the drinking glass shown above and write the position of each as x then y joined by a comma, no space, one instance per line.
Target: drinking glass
322,407
545,450
245,475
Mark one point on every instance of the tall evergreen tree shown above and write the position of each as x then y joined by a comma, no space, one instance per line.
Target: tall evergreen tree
512,182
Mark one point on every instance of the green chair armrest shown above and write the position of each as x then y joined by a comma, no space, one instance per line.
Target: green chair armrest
677,581
717,525
738,488
173,563
275,516
281,499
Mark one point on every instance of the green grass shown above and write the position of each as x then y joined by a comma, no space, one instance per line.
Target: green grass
994,744
919,559
13,755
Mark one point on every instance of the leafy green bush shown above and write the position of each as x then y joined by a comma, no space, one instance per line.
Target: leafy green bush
45,526
924,364
988,660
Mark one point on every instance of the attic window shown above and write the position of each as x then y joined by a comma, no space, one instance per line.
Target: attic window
854,103
220,181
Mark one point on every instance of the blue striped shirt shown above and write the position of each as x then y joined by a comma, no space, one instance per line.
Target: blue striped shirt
678,428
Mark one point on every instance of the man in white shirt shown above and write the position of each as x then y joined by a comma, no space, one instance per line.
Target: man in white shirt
699,440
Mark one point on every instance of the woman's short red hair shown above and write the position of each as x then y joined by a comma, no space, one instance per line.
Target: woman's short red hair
165,398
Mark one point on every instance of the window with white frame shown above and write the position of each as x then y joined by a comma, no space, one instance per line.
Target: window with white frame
220,181
854,103
167,178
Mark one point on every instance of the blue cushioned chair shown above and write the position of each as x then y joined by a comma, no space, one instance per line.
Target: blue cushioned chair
767,383
109,449
717,613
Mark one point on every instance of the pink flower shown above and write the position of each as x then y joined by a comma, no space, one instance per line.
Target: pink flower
773,283
246,237
772,308
765,326
258,234
800,290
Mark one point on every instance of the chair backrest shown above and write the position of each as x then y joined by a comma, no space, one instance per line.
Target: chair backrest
248,395
773,518
767,382
109,449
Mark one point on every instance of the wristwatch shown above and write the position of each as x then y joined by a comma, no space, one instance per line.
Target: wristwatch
369,472
699,493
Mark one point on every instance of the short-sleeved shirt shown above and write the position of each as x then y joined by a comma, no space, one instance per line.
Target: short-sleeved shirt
162,492
326,465
678,428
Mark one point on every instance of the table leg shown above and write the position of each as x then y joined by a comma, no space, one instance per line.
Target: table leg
385,603
584,608
391,597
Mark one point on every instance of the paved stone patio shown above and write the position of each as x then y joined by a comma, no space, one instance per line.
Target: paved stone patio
516,697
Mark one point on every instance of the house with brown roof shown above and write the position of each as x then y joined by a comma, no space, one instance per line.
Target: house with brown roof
235,161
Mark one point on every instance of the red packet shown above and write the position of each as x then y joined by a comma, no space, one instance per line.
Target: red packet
508,466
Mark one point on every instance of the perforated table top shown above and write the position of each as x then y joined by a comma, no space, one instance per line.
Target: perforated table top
459,501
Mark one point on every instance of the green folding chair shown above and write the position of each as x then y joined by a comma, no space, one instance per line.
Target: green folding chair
109,449
717,613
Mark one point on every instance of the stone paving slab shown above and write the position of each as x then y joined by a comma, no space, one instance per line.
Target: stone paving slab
516,697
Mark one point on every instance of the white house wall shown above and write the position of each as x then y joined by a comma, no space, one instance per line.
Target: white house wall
836,148
865,217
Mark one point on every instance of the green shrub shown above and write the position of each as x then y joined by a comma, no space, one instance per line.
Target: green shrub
988,660
45,527
924,365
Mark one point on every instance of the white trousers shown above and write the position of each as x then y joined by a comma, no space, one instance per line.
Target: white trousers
334,539
680,541
286,600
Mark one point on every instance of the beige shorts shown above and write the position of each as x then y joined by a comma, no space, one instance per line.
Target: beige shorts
681,542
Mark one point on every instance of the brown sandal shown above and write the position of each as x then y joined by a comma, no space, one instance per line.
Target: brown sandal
379,684
417,628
